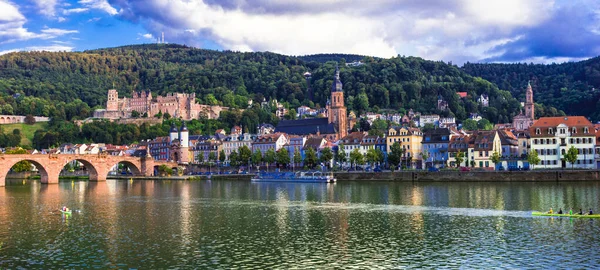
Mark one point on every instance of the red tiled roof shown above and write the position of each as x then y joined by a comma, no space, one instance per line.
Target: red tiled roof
577,122
462,94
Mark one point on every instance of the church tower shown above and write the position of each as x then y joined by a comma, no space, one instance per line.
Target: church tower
337,110
529,107
184,152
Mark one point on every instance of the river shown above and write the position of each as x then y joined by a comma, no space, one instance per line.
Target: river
238,224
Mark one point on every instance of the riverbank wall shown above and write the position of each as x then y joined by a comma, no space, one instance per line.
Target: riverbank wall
423,176
479,176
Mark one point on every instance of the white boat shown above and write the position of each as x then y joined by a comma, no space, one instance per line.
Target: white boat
298,177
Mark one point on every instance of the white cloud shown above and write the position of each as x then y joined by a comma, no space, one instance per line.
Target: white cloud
99,4
49,48
46,7
48,33
74,10
61,19
453,30
148,36
12,26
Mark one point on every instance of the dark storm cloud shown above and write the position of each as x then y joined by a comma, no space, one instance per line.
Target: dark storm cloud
567,34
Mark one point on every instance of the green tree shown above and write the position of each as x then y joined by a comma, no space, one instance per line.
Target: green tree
200,157
222,156
371,156
571,156
326,156
395,155
234,158
341,155
533,158
356,158
460,157
297,156
212,158
269,157
495,158
310,157
424,157
469,124
164,170
256,158
361,104
283,157
245,154
135,114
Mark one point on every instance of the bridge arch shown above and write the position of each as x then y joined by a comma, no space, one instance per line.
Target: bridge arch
136,169
44,174
89,167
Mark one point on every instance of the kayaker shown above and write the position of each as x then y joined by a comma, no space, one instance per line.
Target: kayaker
551,211
580,212
570,211
560,212
591,211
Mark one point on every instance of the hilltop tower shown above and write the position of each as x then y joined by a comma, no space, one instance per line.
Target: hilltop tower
337,110
529,107
112,103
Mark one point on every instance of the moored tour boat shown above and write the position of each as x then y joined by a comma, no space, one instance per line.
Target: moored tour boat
299,177
545,214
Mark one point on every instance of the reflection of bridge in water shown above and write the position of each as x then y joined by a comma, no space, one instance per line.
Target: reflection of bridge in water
98,166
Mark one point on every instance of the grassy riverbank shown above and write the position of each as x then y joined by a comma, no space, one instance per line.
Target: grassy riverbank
27,131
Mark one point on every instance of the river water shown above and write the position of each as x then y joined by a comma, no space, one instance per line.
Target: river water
238,224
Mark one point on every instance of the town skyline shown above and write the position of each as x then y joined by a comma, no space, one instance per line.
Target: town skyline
456,31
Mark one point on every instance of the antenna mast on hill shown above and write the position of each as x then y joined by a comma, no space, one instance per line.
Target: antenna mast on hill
163,37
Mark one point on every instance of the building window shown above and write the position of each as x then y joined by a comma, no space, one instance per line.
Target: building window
586,130
550,131
574,130
537,131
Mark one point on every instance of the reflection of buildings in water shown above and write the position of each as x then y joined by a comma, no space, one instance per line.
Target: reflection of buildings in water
282,205
185,214
416,218
49,194
416,195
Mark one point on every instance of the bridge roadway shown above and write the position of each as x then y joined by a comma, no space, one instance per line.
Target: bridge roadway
98,165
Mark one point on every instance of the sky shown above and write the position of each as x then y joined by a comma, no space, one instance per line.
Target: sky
457,31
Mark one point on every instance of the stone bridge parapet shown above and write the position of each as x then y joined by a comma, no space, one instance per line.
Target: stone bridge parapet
98,165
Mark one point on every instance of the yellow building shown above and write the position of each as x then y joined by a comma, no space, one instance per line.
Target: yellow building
410,139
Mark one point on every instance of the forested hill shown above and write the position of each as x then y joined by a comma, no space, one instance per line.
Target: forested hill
326,57
231,78
571,87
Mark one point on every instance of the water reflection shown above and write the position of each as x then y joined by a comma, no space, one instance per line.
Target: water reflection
229,224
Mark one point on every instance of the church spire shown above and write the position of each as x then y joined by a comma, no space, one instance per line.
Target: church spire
337,83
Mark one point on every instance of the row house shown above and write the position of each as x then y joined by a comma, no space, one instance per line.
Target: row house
485,143
160,148
352,141
274,141
201,151
552,137
510,144
410,140
460,144
234,141
433,119
435,143
296,144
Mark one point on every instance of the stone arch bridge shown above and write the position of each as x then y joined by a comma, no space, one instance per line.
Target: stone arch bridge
98,166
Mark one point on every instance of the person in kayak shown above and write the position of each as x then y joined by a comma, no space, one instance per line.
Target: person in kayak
551,211
580,212
570,211
560,212
591,213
